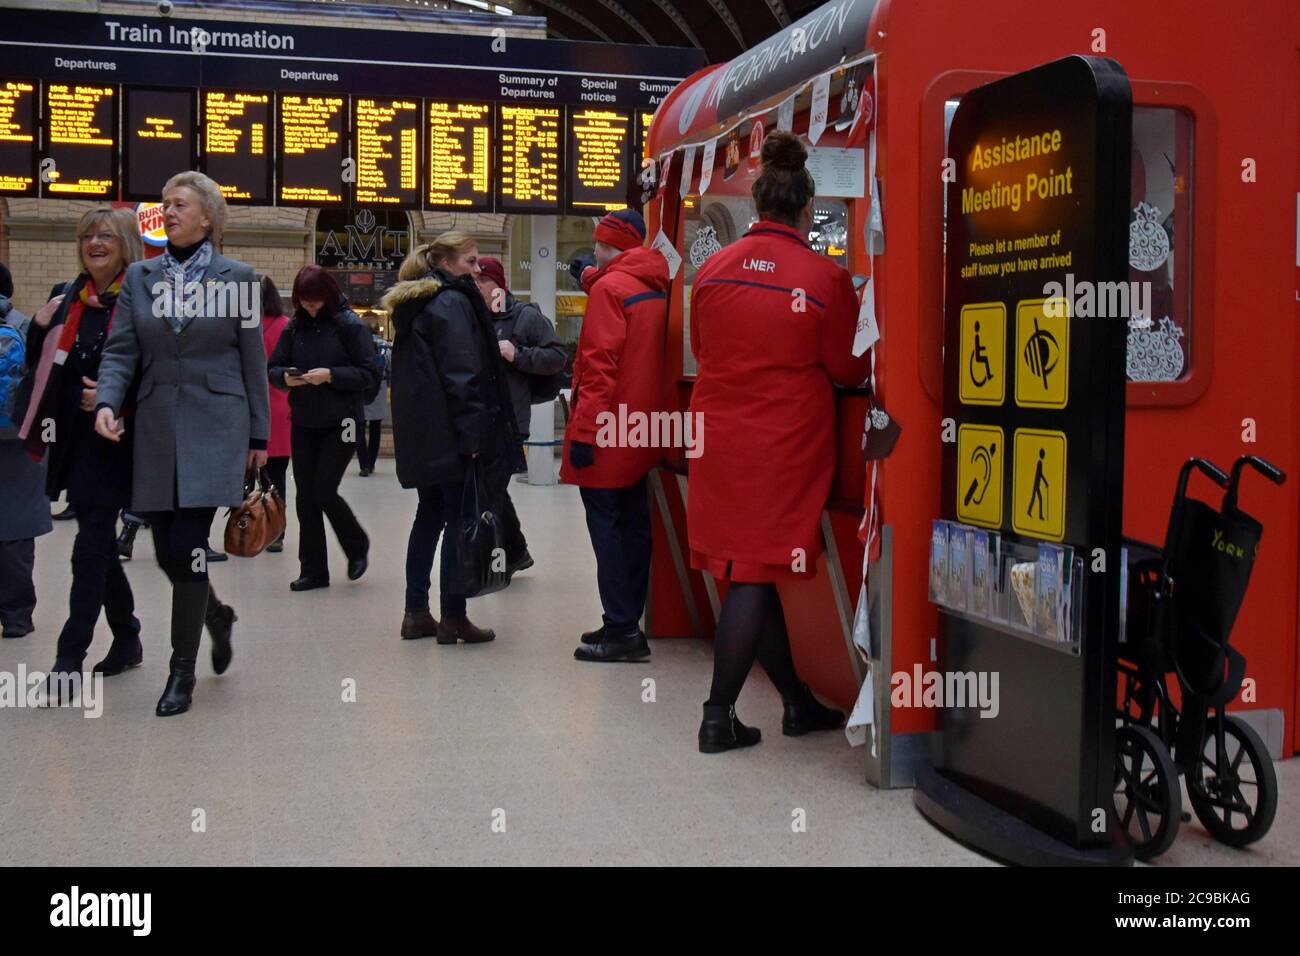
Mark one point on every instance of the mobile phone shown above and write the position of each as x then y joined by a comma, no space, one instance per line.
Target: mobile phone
295,372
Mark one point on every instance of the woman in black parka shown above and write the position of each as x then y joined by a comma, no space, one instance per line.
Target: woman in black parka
451,404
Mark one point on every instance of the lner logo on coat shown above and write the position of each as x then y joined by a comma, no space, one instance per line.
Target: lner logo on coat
1038,492
983,353
1042,353
981,451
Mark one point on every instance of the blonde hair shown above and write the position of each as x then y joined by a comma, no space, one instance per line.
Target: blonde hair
121,222
427,256
211,201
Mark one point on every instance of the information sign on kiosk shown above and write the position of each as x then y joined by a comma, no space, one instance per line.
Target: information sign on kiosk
1033,483
237,143
18,138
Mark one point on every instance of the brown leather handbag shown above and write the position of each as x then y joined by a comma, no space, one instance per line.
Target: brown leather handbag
259,520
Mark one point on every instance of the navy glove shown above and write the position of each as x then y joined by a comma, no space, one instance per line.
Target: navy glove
581,455
579,264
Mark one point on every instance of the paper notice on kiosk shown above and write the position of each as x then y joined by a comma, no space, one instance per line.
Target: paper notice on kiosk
706,165
821,100
864,711
688,170
785,115
868,332
668,252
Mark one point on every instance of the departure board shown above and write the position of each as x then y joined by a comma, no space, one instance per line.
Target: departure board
459,137
644,119
237,144
312,148
157,137
529,159
600,143
17,138
80,136
387,137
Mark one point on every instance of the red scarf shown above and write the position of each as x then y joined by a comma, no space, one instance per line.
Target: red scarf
89,296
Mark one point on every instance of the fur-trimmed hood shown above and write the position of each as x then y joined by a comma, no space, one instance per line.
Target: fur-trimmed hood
409,291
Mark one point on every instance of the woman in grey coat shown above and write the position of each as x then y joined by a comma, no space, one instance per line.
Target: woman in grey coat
188,324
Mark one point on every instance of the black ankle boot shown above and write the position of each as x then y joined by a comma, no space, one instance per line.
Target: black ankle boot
220,620
722,730
804,714
125,652
179,690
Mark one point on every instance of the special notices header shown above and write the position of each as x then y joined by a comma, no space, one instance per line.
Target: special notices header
1033,186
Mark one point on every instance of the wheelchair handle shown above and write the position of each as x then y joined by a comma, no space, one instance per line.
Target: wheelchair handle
1266,468
1206,467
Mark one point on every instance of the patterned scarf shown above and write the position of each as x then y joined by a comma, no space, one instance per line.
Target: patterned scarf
179,275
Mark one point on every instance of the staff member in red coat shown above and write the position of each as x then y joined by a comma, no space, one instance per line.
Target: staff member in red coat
618,373
773,325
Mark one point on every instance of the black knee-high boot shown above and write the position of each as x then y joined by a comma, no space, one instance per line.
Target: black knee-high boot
189,608
220,619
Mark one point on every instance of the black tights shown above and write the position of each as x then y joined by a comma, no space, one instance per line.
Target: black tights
751,625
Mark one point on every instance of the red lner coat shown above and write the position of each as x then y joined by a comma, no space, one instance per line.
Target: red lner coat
772,326
620,362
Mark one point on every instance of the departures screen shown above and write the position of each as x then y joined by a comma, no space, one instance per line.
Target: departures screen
17,138
459,175
387,138
313,146
600,143
237,144
529,159
80,136
158,134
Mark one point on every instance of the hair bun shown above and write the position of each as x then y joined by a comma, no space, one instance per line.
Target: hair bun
784,150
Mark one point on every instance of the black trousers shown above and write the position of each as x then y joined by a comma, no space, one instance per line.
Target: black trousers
618,520
512,531
278,469
180,541
98,581
17,590
368,444
320,457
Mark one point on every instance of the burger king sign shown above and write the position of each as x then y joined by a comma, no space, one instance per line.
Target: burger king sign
152,225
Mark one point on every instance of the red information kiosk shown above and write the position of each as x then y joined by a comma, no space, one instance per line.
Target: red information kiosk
1215,191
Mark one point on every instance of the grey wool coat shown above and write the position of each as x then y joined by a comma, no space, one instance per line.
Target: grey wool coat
202,401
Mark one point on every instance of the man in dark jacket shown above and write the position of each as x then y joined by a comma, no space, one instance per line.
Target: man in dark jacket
531,350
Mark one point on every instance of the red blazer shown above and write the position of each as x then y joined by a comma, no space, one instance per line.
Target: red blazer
764,390
620,362
278,446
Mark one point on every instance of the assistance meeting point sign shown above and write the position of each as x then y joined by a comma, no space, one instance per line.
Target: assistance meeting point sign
1032,487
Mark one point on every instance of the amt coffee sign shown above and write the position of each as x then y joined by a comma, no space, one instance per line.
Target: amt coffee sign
362,240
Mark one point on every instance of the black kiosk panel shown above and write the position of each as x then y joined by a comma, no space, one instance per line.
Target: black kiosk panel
530,154
237,144
459,175
18,138
312,149
81,138
1033,472
158,137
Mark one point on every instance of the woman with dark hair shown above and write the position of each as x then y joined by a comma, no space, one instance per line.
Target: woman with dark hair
186,323
451,405
326,359
278,449
759,487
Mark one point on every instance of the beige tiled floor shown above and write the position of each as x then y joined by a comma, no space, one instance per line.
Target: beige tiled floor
441,741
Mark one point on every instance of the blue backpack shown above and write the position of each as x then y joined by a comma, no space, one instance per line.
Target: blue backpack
13,362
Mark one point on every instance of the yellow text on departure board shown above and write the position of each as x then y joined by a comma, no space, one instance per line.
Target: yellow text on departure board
387,132
460,156
530,154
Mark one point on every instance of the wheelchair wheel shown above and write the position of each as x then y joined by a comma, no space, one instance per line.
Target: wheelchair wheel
1236,806
1147,799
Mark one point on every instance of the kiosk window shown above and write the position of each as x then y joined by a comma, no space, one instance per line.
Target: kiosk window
720,220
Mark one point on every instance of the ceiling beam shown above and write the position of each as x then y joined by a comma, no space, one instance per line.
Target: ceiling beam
620,11
720,8
779,11
674,15
567,11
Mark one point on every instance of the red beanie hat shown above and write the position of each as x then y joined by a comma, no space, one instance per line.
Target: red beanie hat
493,269
624,229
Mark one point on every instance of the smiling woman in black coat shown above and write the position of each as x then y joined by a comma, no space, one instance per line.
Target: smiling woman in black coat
333,355
451,404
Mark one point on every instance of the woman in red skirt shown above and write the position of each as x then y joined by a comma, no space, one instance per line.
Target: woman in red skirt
772,330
